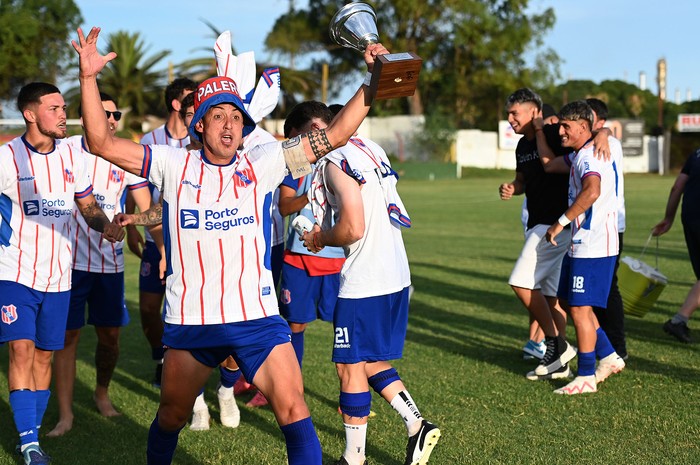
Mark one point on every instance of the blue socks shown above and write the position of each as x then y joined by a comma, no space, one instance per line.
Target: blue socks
303,446
24,407
355,404
603,348
227,377
298,344
42,401
586,363
161,445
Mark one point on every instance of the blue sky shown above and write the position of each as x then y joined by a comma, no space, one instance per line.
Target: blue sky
597,40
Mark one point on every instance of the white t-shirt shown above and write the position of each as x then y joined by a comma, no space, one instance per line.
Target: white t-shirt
616,156
37,193
217,231
109,182
594,232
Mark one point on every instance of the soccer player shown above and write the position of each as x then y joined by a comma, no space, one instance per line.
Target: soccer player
220,298
370,318
151,289
41,177
97,280
589,265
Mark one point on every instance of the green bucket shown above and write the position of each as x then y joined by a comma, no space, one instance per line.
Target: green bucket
640,286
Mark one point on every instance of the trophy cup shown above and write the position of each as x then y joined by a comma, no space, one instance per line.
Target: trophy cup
394,74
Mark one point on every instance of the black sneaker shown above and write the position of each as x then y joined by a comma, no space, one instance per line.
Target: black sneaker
342,461
158,376
559,353
421,444
678,330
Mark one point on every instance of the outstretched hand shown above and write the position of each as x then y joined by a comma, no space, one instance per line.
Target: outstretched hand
91,62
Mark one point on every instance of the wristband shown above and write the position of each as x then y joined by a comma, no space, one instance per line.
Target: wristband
563,220
368,79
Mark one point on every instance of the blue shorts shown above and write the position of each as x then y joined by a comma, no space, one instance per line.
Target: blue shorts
26,313
370,329
104,295
149,279
250,342
586,281
305,298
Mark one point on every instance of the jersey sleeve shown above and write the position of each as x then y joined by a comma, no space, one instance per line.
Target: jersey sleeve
83,185
134,182
8,174
290,182
268,159
589,165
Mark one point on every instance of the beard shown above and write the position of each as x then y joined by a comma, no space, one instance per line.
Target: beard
55,133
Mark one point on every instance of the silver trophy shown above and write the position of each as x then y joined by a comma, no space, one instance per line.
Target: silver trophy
394,75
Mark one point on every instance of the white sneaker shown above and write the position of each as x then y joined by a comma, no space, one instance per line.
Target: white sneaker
200,420
609,365
554,358
230,414
580,385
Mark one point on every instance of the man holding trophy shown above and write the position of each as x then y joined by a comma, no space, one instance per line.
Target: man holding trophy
358,189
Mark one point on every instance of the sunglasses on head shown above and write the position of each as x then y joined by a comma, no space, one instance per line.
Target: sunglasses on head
117,114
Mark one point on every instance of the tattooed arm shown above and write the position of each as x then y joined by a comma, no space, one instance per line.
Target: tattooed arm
151,217
97,220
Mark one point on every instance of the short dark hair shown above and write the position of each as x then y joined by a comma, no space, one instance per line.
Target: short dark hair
335,108
599,107
303,113
524,95
176,88
577,110
187,101
104,97
32,93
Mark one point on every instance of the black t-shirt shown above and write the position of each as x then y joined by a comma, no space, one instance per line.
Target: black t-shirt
690,211
547,194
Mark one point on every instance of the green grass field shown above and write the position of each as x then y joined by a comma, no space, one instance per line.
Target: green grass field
462,361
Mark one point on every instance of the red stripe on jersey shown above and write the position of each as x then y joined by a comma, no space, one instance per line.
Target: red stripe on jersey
53,242
223,280
114,258
137,186
240,279
179,244
60,268
102,256
31,165
221,184
36,252
63,170
146,164
201,288
77,232
48,173
201,176
254,179
89,248
21,212
94,172
83,194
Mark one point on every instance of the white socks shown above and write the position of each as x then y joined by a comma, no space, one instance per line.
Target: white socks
404,405
355,441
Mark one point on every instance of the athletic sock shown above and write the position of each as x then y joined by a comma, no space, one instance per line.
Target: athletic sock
161,444
405,406
23,403
298,344
42,401
355,442
228,377
586,363
603,348
303,446
678,319
199,403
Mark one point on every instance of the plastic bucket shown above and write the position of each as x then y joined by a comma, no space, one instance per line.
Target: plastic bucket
640,286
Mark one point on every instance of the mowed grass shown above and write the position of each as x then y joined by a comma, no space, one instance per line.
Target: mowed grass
462,361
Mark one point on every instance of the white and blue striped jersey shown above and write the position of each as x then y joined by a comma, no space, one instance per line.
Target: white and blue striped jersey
217,232
161,136
594,232
91,252
616,156
37,193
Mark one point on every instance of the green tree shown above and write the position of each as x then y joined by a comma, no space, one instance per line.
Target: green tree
33,41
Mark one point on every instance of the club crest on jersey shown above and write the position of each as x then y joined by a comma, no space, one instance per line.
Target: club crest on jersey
189,219
115,176
31,207
68,176
9,314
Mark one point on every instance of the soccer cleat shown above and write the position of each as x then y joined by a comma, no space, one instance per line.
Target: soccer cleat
580,385
228,409
532,350
158,375
33,455
258,400
242,386
558,354
421,444
678,330
342,461
562,373
609,365
200,420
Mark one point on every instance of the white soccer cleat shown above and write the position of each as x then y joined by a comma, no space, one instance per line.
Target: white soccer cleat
609,365
200,420
230,413
580,385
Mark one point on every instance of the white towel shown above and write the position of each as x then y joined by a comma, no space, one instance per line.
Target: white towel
266,95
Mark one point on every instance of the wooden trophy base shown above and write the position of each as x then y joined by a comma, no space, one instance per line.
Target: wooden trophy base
395,75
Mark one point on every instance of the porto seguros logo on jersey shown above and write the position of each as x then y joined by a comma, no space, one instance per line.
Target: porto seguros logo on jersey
9,314
53,208
214,220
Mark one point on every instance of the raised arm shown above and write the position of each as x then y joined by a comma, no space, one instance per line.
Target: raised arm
122,152
674,199
550,162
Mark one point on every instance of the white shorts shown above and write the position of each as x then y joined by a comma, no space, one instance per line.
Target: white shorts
539,264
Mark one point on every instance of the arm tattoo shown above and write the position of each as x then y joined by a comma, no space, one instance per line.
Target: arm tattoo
94,216
319,143
150,217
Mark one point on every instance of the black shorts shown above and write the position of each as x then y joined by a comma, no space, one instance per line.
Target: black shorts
692,241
